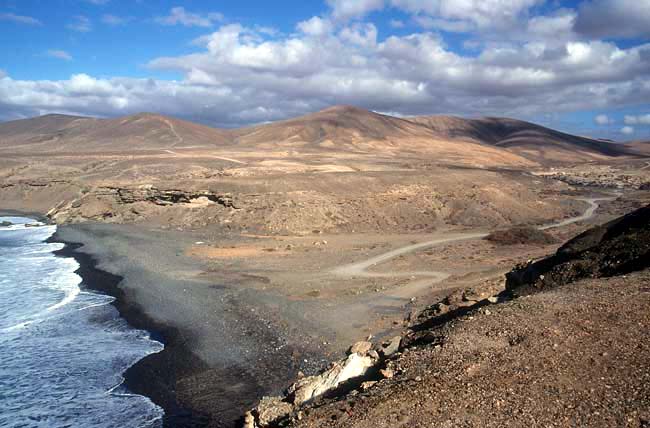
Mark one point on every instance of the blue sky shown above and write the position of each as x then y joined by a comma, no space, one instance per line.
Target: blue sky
582,66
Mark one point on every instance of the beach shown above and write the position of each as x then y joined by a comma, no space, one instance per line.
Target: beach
222,350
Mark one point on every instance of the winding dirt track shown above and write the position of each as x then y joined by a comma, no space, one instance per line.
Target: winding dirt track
360,269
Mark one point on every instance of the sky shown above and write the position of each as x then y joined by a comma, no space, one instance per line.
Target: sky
582,66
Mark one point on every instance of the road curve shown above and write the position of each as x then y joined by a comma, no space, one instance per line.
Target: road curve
360,269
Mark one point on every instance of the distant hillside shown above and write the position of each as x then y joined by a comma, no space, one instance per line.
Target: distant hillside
642,147
351,129
527,139
336,127
447,139
56,133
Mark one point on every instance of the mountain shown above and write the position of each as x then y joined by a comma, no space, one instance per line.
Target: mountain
335,127
339,129
642,147
354,130
143,131
526,139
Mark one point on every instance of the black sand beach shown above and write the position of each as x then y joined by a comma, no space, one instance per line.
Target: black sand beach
220,356
151,376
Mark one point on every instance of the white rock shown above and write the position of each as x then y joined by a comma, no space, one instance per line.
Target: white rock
309,388
360,348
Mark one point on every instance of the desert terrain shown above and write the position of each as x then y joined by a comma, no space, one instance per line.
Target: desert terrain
262,253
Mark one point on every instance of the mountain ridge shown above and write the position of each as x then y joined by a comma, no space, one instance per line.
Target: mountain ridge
336,128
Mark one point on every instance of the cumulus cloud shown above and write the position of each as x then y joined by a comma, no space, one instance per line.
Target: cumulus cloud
81,24
450,15
643,119
347,9
614,18
316,26
627,130
20,19
416,73
59,54
178,15
241,75
558,25
603,119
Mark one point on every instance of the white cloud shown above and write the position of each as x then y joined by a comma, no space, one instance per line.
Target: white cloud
627,130
358,34
59,54
603,119
558,25
178,15
315,26
614,18
242,75
643,119
478,14
417,72
115,20
396,23
20,19
348,9
81,24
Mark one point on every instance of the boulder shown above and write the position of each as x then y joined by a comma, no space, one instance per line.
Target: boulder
249,421
272,409
368,384
387,373
360,348
311,387
390,347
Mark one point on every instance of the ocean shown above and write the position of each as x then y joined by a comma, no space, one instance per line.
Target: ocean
63,348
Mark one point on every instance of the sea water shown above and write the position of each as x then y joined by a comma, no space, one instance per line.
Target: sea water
63,349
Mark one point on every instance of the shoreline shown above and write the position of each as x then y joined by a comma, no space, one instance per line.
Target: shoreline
223,348
148,376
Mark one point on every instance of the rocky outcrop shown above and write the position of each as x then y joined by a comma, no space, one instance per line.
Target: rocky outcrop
165,196
520,235
309,388
364,364
124,204
618,247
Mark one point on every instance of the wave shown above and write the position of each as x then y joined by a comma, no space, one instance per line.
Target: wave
64,349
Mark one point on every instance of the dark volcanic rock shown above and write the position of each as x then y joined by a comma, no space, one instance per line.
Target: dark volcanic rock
520,235
615,248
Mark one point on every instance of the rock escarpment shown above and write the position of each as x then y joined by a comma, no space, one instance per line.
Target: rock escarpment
615,248
103,203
